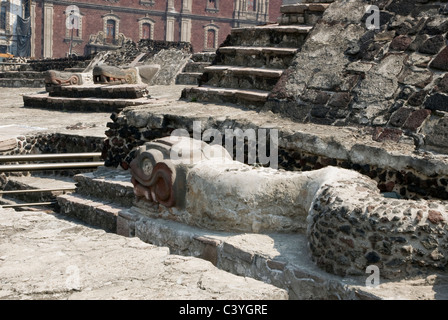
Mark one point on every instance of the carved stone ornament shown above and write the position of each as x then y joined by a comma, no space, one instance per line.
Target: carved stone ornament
58,78
160,167
113,75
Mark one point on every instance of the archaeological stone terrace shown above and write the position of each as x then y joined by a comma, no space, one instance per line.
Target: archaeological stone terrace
354,112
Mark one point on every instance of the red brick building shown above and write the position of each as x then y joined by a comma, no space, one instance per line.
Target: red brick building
60,27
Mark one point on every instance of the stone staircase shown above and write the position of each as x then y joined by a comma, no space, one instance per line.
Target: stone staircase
251,61
16,79
99,197
51,186
194,69
307,13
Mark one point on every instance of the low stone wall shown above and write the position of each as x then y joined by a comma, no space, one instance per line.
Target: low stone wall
352,226
408,184
51,143
48,143
170,56
408,178
131,50
57,64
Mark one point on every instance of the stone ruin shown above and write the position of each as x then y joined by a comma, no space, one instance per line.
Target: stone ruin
388,83
349,224
362,146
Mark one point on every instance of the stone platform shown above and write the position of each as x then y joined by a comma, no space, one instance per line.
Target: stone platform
97,98
62,259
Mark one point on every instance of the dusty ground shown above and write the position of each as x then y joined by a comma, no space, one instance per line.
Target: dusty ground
43,256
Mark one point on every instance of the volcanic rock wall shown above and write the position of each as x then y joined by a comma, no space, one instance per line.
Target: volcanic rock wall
170,56
393,80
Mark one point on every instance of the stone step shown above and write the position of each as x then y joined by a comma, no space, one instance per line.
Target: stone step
241,77
16,183
125,91
188,78
92,211
302,13
195,67
22,75
250,98
279,259
44,101
268,57
107,184
272,35
203,56
245,71
21,82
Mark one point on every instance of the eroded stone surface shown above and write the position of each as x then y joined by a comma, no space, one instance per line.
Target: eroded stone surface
60,259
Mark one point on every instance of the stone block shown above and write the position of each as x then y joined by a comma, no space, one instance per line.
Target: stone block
384,134
400,43
440,62
442,85
417,98
437,101
432,45
416,119
147,72
340,100
8,144
436,133
126,223
399,117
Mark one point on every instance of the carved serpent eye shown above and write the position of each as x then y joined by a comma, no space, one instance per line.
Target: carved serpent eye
147,166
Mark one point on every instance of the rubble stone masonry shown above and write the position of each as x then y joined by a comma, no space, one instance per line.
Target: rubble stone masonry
392,79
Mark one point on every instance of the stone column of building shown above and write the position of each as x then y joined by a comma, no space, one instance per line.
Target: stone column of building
236,12
33,28
170,21
185,24
48,30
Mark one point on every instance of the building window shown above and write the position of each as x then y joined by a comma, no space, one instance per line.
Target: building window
211,37
212,6
3,17
110,30
146,28
111,26
251,5
146,31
